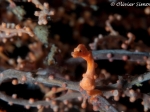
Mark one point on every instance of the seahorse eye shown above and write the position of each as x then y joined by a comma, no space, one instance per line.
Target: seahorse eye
80,50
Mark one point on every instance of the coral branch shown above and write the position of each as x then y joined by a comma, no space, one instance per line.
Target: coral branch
23,101
3,35
116,55
12,29
69,96
102,104
137,80
29,77
44,13
9,74
37,3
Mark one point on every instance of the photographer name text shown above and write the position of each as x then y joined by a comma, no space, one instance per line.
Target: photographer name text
137,4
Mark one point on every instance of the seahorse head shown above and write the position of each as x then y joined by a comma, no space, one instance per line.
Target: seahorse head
80,51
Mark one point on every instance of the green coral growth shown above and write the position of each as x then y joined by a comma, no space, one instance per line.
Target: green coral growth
50,60
42,33
19,12
138,84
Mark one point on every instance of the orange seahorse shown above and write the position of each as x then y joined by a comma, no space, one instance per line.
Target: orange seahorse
88,81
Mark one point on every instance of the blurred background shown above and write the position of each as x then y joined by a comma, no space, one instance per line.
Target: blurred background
94,23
